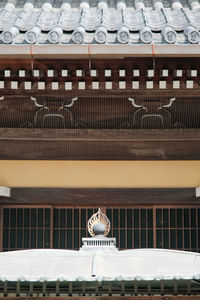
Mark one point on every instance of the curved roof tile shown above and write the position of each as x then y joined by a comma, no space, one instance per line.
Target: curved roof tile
91,19
69,19
71,15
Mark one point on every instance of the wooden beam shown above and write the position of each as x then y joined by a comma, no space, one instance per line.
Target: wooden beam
101,197
108,298
1,226
128,64
100,110
119,94
102,144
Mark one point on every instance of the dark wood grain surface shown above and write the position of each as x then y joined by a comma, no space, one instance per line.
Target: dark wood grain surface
82,144
101,197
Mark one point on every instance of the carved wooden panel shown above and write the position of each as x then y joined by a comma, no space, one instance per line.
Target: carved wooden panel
103,110
37,93
114,101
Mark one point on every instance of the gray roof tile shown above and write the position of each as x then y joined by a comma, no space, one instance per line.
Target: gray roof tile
48,19
26,20
69,19
116,21
177,19
155,19
195,17
91,19
133,19
112,19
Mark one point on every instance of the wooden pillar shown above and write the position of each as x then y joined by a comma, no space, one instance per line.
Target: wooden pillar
1,228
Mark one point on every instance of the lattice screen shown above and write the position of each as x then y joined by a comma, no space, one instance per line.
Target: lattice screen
136,227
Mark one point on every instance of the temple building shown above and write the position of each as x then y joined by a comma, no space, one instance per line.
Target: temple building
100,108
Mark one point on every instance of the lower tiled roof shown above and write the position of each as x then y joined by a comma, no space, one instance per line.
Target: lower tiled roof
127,265
100,21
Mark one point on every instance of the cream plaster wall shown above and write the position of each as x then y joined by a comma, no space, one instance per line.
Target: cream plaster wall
121,174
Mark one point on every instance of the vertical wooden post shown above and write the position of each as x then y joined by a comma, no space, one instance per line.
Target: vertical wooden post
1,228
5,288
51,227
162,288
135,288
188,287
70,289
154,226
57,288
31,289
18,288
175,287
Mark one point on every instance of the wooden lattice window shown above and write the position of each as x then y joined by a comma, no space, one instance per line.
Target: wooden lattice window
133,227
178,228
25,228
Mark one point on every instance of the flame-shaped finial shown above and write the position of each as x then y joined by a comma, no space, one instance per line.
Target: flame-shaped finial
98,224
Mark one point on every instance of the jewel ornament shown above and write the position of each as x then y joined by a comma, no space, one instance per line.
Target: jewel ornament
98,224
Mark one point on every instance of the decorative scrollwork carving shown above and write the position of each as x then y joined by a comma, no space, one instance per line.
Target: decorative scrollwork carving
152,110
47,112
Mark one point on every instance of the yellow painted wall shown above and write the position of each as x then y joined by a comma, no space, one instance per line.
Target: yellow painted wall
121,174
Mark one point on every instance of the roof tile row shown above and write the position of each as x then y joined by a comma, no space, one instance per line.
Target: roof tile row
55,20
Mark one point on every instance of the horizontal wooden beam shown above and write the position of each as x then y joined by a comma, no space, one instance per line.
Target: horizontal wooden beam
100,109
102,144
109,298
98,51
92,63
101,197
155,95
